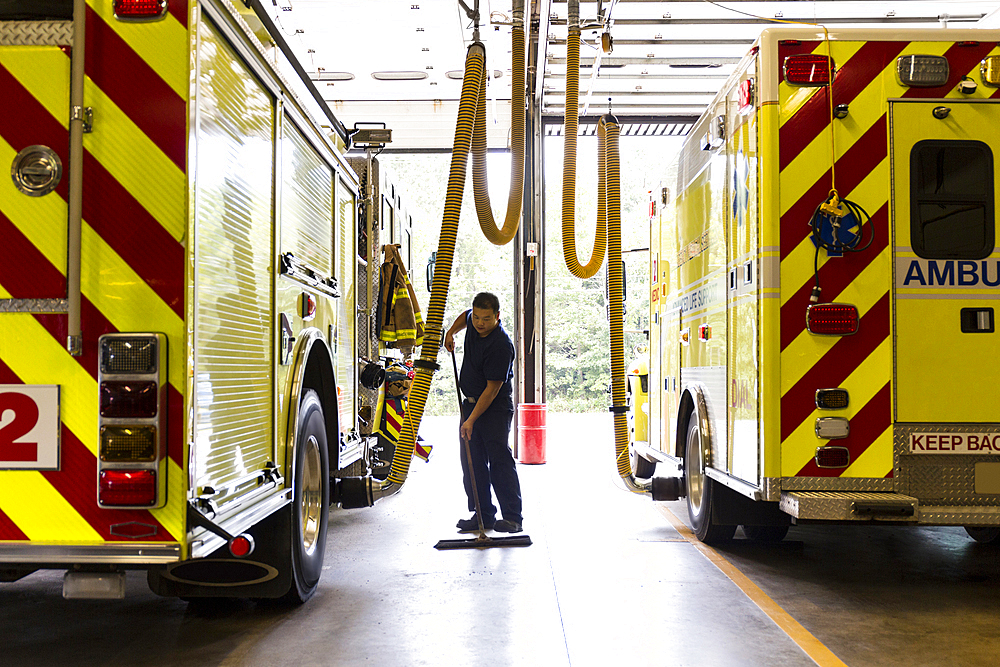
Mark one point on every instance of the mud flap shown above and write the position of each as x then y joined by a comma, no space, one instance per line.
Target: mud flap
266,573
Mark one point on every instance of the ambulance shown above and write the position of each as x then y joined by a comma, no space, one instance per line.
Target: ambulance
824,287
184,300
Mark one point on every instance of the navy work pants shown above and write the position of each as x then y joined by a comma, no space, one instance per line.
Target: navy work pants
493,464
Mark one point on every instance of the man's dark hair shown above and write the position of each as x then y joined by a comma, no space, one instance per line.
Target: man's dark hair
487,300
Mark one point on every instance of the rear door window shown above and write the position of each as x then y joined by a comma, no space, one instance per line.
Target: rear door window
951,199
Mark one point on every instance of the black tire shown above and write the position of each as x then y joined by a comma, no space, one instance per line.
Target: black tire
765,533
984,534
701,490
310,500
641,468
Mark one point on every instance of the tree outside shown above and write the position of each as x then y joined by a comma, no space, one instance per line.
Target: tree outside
577,343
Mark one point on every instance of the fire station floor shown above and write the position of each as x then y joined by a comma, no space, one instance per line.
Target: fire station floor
608,580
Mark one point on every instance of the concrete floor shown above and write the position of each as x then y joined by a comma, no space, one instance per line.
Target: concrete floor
607,581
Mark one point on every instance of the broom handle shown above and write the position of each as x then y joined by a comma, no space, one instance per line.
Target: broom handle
468,450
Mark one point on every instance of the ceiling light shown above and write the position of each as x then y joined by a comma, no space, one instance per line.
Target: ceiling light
458,74
399,76
333,76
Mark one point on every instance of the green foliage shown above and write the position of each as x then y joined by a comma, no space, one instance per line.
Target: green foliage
577,362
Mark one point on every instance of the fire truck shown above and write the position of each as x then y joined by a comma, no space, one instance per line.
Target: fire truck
824,283
186,300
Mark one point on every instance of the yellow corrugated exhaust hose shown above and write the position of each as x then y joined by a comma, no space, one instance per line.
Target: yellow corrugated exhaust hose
364,491
424,369
480,187
611,194
616,294
470,136
571,123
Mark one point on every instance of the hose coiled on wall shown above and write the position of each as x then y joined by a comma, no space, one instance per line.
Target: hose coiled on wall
571,124
480,186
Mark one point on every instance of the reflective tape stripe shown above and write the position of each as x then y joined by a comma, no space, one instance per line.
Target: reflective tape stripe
862,384
114,289
118,144
138,89
172,516
875,460
861,63
161,44
47,364
143,242
835,275
24,492
807,349
9,529
868,151
869,424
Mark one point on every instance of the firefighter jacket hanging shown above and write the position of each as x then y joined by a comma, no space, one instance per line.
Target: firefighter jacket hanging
400,322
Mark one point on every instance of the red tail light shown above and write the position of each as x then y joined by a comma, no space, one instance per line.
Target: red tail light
127,488
121,400
807,69
833,457
140,10
832,319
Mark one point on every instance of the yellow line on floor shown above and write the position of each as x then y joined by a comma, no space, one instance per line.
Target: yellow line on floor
813,647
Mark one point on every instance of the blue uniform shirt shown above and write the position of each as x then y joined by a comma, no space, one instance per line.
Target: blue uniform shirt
489,358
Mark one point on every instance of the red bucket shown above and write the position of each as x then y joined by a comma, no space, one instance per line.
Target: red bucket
531,432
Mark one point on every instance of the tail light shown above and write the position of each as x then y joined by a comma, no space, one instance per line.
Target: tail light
807,69
832,319
129,399
140,10
833,457
132,388
127,488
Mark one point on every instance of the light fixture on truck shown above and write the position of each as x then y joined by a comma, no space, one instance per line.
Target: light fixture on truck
807,69
127,488
922,71
832,319
833,457
128,355
832,428
989,69
831,399
122,400
132,409
140,10
121,443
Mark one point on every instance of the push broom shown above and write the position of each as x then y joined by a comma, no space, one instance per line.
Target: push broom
482,541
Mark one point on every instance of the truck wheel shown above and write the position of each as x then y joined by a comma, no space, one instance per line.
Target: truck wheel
310,500
765,533
700,490
984,534
641,468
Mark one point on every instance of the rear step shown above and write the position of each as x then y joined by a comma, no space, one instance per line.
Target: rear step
843,505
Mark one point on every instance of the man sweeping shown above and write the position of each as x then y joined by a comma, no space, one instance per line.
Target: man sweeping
485,379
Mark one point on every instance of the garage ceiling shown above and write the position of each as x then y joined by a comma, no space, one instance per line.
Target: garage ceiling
400,62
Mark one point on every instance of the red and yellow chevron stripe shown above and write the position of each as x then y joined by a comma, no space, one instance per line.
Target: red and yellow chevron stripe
133,257
865,80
